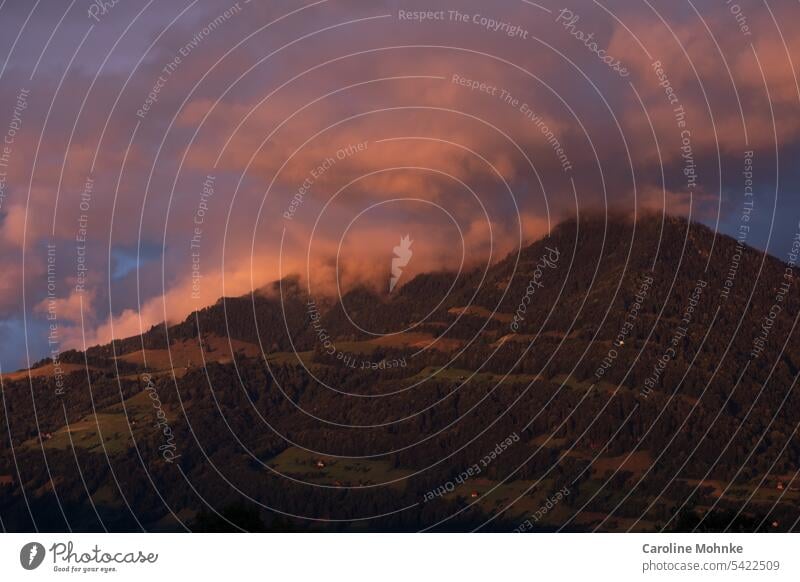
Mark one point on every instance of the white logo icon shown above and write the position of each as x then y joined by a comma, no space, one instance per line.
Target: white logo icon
402,255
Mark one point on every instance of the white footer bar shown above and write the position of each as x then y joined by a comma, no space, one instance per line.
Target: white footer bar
389,557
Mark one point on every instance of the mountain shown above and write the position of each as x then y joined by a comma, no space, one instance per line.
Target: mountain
615,375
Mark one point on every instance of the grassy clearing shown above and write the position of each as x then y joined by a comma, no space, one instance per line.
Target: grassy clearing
481,312
110,422
343,472
190,353
44,372
85,434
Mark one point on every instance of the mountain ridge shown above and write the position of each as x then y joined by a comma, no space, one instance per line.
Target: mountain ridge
423,283
620,366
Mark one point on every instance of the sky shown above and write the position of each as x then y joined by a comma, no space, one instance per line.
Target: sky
157,155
